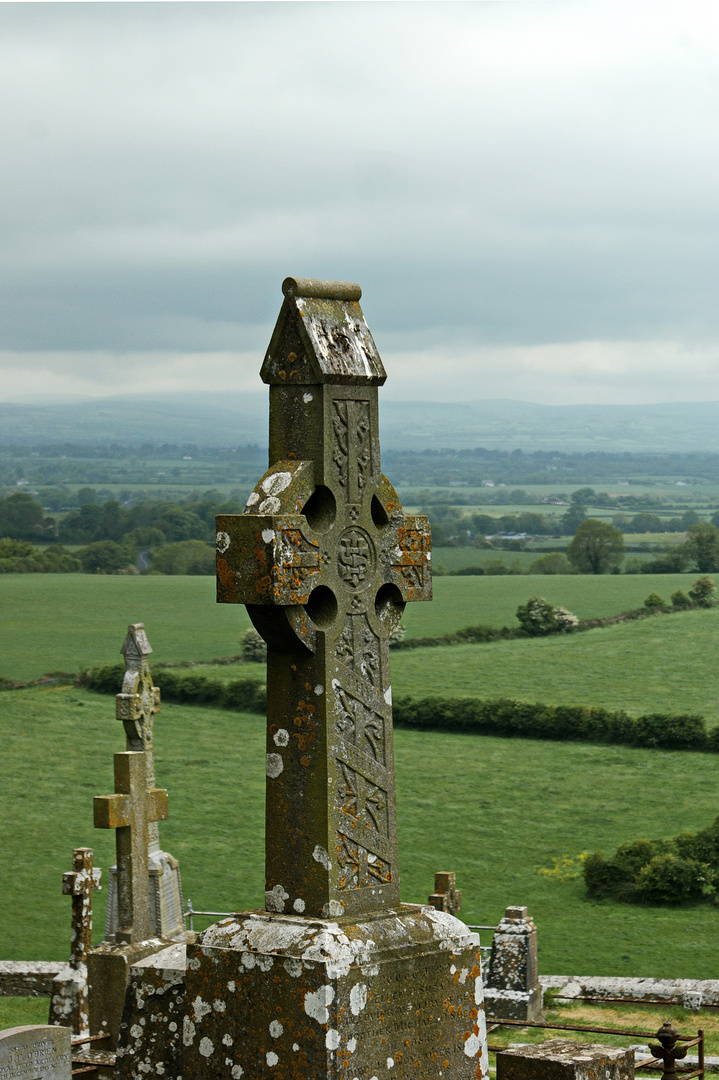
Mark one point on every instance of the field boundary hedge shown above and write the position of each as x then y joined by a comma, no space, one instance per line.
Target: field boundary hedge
498,716
481,635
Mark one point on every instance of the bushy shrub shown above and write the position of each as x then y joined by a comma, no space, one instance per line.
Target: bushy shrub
680,600
188,557
566,622
654,601
554,562
254,647
537,616
703,591
669,879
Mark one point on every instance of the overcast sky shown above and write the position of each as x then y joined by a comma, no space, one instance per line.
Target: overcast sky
528,193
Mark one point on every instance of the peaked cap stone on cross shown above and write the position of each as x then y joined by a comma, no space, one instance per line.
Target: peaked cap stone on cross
325,559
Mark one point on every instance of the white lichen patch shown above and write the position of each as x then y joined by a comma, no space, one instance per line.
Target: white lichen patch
332,1039
231,986
200,1008
252,498
268,535
299,905
223,542
390,1063
332,909
307,397
271,1058
172,1026
352,1044
295,1047
227,1040
136,1031
277,482
276,1029
237,1072
319,690
321,856
206,1048
281,737
388,695
274,765
218,1005
293,967
188,1032
358,998
472,1045
270,505
317,1003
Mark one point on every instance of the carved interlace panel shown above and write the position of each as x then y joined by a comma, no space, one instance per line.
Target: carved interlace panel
360,868
352,451
364,803
358,648
360,725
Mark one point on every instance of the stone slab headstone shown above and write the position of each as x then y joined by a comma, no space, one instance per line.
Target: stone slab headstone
512,990
35,1052
136,707
68,1001
563,1059
336,975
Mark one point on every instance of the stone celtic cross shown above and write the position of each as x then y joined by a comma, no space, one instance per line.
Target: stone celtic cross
80,883
130,810
325,559
136,706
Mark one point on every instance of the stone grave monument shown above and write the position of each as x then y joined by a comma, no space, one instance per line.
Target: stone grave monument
446,895
136,706
512,991
335,975
68,1001
129,811
562,1059
35,1052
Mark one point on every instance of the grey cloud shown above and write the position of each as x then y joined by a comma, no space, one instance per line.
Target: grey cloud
493,173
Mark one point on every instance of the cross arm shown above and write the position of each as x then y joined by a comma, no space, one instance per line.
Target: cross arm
74,881
266,559
111,811
157,804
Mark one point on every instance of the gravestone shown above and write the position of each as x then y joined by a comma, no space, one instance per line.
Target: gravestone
35,1052
136,706
446,895
68,1002
129,811
336,974
562,1059
512,990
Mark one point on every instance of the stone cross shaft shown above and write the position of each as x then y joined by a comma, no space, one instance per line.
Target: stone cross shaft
325,560
80,883
129,811
136,706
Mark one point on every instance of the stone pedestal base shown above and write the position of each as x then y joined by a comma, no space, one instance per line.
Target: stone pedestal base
513,1004
108,971
562,1059
150,1042
397,994
68,1000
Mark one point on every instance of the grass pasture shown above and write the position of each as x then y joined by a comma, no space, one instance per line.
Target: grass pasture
68,622
494,810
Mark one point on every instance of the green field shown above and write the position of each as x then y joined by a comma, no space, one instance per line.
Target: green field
68,622
493,810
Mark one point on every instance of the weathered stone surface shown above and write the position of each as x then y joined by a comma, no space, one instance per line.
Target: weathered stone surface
150,1042
68,1002
136,706
562,1059
393,994
635,989
28,978
513,991
35,1053
108,971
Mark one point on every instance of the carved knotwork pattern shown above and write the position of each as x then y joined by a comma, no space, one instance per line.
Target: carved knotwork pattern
360,868
358,648
411,557
352,430
364,803
360,725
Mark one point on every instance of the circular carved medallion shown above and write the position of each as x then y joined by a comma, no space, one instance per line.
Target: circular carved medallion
356,558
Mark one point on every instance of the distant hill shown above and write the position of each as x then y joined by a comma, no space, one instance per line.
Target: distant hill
230,420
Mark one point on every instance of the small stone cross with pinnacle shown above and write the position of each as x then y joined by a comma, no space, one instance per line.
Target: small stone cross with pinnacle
325,560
